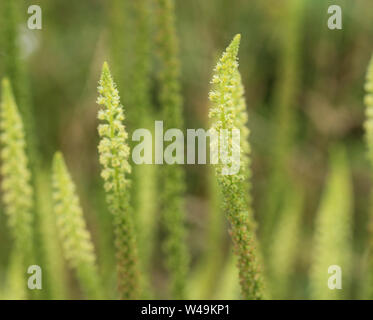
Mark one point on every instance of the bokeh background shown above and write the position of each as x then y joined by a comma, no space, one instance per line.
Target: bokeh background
304,90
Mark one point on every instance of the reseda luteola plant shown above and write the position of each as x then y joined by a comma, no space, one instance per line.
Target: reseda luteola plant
53,266
17,191
143,176
114,155
131,49
75,238
368,126
333,232
14,67
228,111
172,176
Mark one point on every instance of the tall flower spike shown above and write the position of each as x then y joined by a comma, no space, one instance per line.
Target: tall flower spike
75,238
132,22
228,111
368,125
172,177
114,154
15,68
17,191
55,275
333,231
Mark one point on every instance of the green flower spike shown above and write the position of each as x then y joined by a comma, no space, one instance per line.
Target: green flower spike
333,232
75,238
16,188
172,177
368,125
228,111
114,155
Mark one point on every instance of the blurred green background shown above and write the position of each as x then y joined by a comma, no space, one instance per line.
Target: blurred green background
304,90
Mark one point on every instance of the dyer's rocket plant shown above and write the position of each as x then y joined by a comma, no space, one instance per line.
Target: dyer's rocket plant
368,126
144,176
55,280
172,176
16,187
75,238
114,158
333,232
14,67
131,49
228,111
